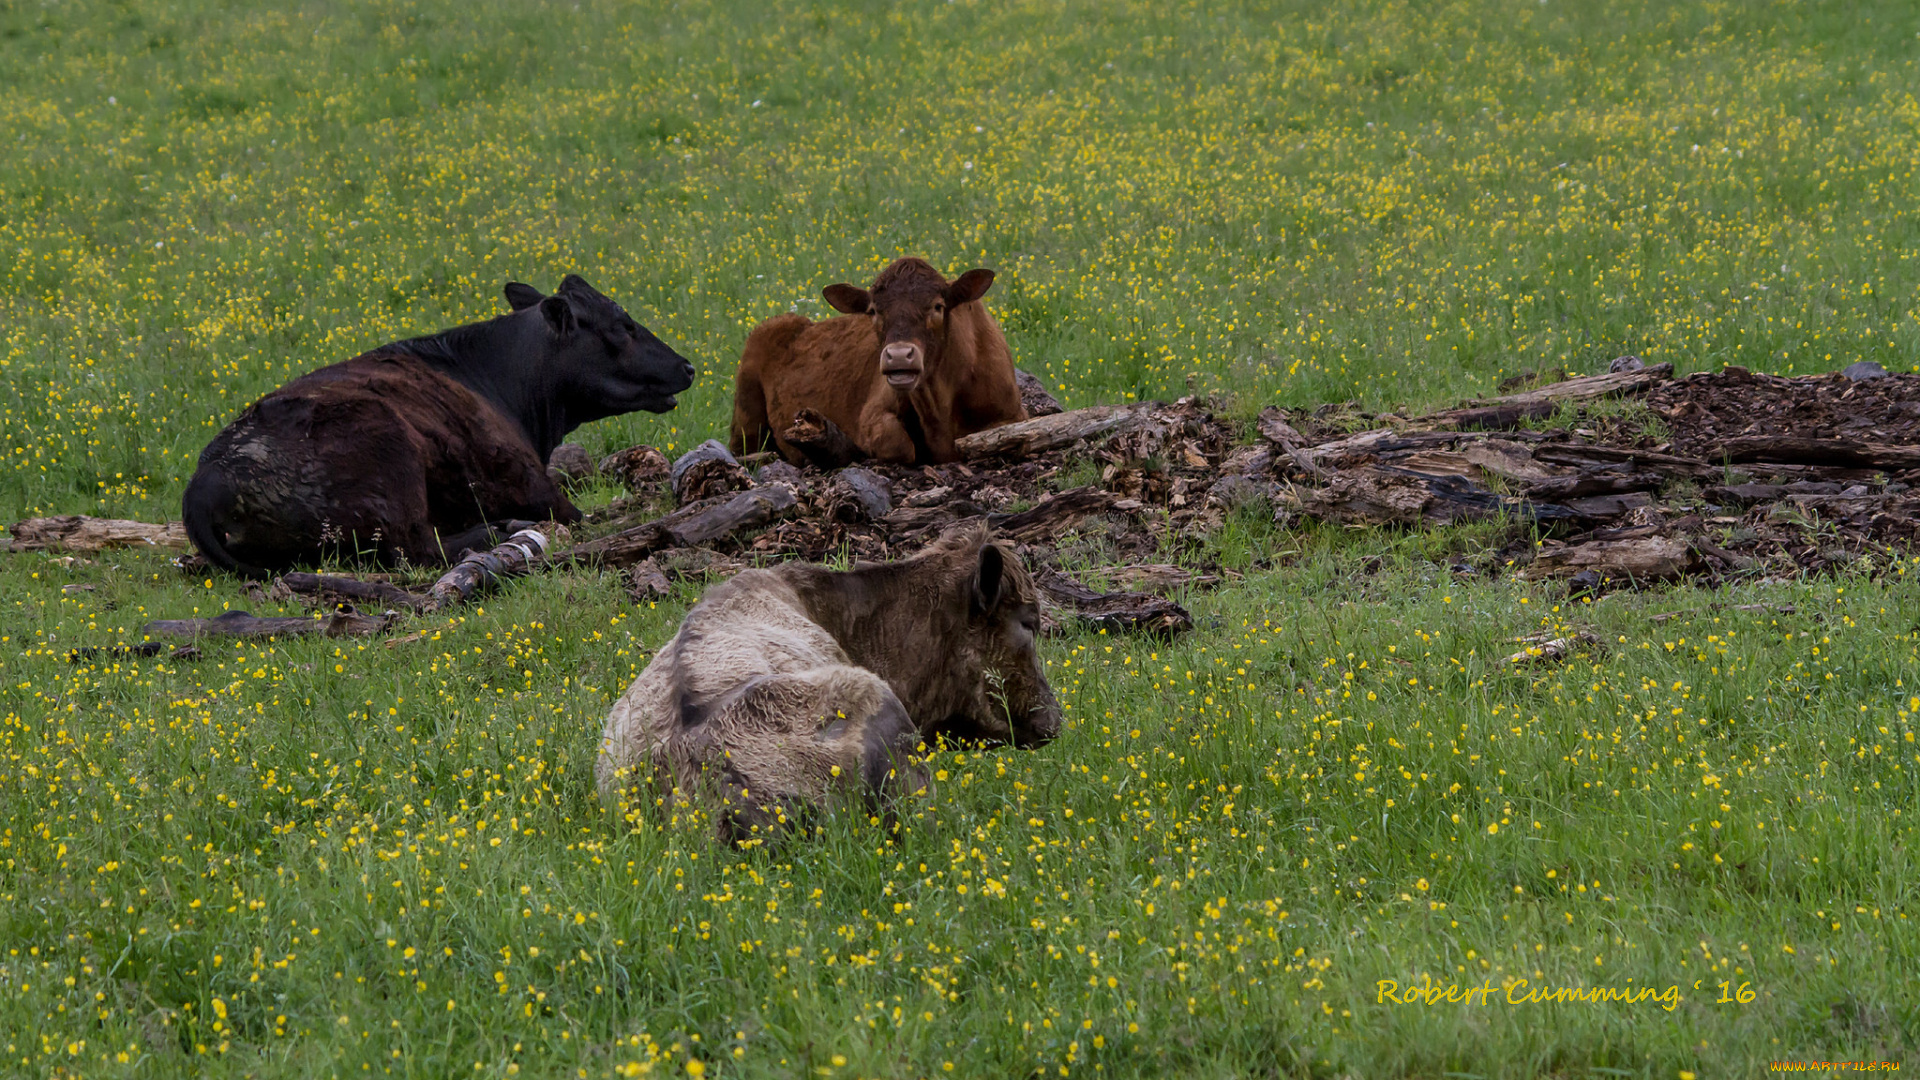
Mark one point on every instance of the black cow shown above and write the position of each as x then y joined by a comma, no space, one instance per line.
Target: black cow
418,449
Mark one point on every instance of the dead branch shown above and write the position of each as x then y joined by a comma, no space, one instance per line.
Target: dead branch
75,532
822,441
1025,438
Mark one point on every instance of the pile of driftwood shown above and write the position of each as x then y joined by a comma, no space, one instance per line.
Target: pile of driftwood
1816,475
1113,506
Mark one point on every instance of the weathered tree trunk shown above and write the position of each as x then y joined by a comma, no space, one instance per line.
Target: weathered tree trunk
1052,517
344,623
705,471
1836,453
1117,612
1508,411
1587,483
515,556
1275,429
74,532
822,441
331,587
1042,433
1034,396
1647,558
692,525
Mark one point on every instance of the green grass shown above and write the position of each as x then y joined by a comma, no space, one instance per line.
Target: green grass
281,859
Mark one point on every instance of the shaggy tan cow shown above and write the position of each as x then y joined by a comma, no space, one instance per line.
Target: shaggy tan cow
786,688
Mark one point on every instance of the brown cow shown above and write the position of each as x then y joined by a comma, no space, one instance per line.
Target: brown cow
914,363
786,688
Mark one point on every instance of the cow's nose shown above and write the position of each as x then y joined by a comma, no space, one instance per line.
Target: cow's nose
900,354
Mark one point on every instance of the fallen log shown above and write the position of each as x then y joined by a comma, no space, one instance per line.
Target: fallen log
1052,516
1831,453
856,495
1117,612
1508,460
1384,495
637,468
341,622
1492,417
332,588
646,581
1603,507
1508,411
1582,455
1034,397
692,525
822,441
1591,482
484,569
1648,558
75,532
1552,650
705,471
1275,429
1024,438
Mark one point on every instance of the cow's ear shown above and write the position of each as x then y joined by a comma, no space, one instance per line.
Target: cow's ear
990,579
521,297
573,283
969,287
847,299
559,316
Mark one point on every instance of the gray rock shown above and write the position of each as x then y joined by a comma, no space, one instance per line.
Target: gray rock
707,470
858,494
572,461
781,472
1864,370
637,467
1626,363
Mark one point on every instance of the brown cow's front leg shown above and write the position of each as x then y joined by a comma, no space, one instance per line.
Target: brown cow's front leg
881,433
938,424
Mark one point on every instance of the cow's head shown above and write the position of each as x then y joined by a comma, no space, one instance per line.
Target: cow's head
911,306
604,362
997,655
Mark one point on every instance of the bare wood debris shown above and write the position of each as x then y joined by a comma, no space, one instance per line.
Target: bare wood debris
1696,483
74,532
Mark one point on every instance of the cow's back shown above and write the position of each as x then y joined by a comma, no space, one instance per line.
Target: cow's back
748,627
828,367
983,388
379,452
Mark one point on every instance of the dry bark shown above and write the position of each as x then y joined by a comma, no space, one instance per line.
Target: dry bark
856,495
638,468
515,556
1836,453
331,588
1591,482
1052,516
692,525
1025,438
1275,429
1552,650
1382,495
1034,396
73,532
821,441
342,622
1116,612
1647,558
705,471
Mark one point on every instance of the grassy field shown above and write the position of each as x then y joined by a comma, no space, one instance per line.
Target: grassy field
315,858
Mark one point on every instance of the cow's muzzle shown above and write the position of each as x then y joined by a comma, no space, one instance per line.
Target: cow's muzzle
901,362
